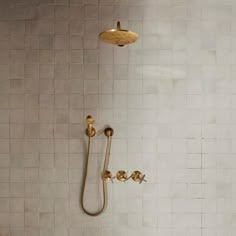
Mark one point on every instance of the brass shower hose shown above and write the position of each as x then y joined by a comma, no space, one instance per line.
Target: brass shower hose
104,184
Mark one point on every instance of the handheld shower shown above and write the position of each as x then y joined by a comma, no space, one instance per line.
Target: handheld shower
90,131
106,174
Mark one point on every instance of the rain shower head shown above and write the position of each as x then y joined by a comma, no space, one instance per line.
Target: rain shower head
119,37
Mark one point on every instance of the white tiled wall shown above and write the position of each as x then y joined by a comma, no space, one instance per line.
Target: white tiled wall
171,98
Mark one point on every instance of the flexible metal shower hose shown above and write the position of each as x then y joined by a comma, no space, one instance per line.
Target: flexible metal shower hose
104,184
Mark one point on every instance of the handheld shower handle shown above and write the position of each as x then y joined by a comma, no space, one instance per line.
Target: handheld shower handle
90,120
90,131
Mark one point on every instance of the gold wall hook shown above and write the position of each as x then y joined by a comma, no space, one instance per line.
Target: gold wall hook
90,131
122,176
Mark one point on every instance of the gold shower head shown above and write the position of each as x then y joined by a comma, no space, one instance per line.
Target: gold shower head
118,36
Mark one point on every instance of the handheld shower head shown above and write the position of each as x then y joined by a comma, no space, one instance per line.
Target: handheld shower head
90,131
90,120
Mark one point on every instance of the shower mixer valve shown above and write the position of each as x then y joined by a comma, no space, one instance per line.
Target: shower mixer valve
137,176
107,175
122,176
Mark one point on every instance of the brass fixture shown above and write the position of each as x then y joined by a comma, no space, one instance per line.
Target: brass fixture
137,176
122,176
109,132
90,131
107,175
118,36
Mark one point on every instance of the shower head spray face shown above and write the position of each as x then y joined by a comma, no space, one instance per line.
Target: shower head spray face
119,37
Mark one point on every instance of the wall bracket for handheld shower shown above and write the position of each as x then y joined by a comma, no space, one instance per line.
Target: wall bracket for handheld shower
90,131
